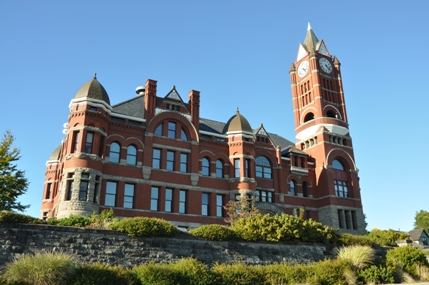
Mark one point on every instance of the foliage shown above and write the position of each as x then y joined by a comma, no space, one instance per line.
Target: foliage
407,257
70,221
359,256
12,181
242,208
349,239
283,228
144,227
43,268
422,220
100,274
214,232
103,220
185,271
377,275
7,217
386,237
238,274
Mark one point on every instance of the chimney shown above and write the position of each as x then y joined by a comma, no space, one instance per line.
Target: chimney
194,100
149,100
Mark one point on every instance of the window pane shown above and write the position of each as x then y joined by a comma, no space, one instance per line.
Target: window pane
131,155
129,196
83,191
182,202
168,200
183,135
184,162
237,167
205,167
337,165
158,130
219,205
88,145
154,199
156,160
114,155
219,168
171,129
110,194
205,204
170,160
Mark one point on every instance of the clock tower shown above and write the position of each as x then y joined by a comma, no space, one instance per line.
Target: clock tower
322,131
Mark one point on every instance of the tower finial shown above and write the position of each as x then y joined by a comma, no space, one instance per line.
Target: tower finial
237,110
309,27
95,75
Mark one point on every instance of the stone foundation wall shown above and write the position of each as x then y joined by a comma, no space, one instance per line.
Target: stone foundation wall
113,248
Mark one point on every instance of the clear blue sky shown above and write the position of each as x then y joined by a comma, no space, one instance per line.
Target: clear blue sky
238,54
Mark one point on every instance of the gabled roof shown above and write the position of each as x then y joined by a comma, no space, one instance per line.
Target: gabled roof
133,107
311,40
415,235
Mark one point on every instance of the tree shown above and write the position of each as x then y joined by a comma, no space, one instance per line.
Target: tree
241,208
422,220
12,181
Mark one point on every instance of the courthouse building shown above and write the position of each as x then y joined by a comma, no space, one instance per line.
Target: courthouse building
154,155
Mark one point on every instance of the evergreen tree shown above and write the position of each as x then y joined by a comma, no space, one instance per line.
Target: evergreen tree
12,181
422,220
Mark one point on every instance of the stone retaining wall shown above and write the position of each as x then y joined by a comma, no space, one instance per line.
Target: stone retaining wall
113,248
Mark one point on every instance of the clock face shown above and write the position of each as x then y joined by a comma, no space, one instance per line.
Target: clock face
325,65
303,68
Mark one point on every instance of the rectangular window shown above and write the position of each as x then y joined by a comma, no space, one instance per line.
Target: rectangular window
182,202
263,196
219,206
237,167
111,194
76,141
70,185
129,196
258,195
340,219
170,160
247,167
96,188
270,197
347,216
101,147
307,214
156,158
48,191
341,189
89,140
184,162
171,130
168,200
205,204
154,198
83,187
354,220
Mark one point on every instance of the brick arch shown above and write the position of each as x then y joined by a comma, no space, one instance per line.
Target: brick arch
134,141
271,158
115,137
305,112
173,116
343,157
332,108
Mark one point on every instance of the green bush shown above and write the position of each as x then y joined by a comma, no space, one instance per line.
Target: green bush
70,221
100,274
7,217
214,232
407,257
386,237
144,227
237,274
185,271
40,269
377,275
359,256
348,239
283,228
103,220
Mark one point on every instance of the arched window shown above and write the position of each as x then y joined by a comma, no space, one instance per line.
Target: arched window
263,167
330,114
308,117
158,130
131,155
183,135
205,170
115,152
219,168
292,188
336,164
304,189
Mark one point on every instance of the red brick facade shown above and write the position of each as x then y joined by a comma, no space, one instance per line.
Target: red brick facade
155,156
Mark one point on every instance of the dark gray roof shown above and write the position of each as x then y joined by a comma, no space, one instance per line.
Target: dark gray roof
280,141
211,126
93,89
133,107
416,234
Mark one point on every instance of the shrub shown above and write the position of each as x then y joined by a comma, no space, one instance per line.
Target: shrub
185,271
103,220
144,227
100,274
283,228
214,232
377,275
40,269
237,274
386,237
70,221
407,257
348,239
7,217
359,256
